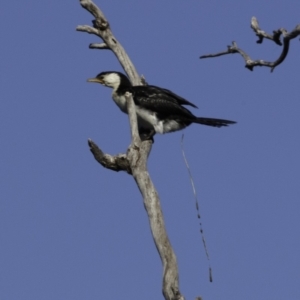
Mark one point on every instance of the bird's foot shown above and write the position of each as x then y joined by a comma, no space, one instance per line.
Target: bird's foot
147,135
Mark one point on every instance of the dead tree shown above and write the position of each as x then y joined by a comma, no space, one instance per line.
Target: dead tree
261,34
134,162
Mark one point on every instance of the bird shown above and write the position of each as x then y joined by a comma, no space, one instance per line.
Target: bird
158,110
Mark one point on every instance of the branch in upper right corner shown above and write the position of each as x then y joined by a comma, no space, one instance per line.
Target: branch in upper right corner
261,34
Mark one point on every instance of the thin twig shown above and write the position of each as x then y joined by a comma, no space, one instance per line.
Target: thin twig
98,46
197,208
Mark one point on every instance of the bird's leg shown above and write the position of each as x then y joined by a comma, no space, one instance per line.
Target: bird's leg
147,134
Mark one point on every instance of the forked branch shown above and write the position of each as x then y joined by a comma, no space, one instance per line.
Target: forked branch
101,28
261,34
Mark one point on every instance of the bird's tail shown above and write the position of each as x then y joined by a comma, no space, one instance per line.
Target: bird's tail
213,122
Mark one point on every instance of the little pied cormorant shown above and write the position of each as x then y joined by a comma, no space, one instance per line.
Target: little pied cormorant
159,110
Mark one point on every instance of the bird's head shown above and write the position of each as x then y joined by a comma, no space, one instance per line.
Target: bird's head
110,79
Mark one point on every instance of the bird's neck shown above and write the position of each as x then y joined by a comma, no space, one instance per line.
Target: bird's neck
122,89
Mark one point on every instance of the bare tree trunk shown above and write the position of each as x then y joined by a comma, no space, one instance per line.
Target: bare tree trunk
134,162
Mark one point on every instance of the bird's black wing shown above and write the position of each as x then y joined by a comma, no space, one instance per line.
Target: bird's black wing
162,101
179,99
168,107
154,90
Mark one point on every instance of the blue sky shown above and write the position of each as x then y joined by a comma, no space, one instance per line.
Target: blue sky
70,229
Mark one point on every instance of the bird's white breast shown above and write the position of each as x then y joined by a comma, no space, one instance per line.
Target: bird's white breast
120,101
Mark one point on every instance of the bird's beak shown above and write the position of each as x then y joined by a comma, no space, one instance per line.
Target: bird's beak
97,80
